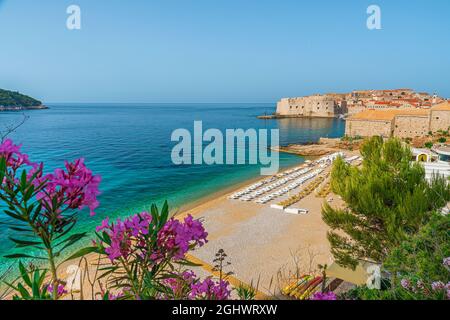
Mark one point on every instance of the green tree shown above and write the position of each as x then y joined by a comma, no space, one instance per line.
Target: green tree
387,200
422,255
15,99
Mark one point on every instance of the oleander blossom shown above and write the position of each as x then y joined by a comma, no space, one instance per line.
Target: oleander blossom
438,285
126,234
210,290
60,291
14,158
446,262
324,296
116,296
179,285
176,238
76,186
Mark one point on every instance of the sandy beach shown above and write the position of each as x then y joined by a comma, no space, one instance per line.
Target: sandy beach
265,243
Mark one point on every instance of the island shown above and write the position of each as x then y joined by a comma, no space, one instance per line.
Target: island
15,101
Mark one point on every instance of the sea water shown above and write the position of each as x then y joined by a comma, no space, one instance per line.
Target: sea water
130,145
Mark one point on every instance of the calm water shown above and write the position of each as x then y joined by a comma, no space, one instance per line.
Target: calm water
129,146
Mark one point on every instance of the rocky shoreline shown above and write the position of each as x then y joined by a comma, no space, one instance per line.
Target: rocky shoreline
324,146
279,116
20,108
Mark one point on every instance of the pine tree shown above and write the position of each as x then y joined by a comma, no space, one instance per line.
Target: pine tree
387,199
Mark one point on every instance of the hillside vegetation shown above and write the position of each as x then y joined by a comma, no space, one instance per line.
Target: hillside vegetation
16,99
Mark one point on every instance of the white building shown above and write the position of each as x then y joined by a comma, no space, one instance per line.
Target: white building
442,164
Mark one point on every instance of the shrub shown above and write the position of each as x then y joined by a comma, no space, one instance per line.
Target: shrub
419,267
422,255
147,252
43,208
388,199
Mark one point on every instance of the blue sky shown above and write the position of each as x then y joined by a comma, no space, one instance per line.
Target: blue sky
220,50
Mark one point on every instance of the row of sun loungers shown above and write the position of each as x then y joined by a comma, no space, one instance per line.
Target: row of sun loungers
351,159
330,158
309,188
259,189
296,183
296,177
251,188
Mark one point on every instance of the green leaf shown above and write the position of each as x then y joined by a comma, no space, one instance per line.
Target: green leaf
22,255
82,252
42,277
164,214
155,214
23,180
23,291
24,243
35,287
106,238
185,262
24,274
19,229
2,168
71,240
28,193
14,215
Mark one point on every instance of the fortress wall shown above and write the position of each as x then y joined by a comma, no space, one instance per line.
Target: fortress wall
312,106
355,109
368,128
411,126
440,120
283,106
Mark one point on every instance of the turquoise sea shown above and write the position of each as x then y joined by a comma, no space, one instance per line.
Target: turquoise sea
129,145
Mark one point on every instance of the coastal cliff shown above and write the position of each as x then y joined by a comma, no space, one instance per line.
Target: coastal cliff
15,101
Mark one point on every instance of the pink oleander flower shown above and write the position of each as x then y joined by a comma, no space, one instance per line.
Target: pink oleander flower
14,158
324,296
124,233
175,238
61,289
438,285
179,285
210,290
446,262
115,296
75,187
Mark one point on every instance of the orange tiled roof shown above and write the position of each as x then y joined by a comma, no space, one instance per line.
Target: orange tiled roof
387,114
445,106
